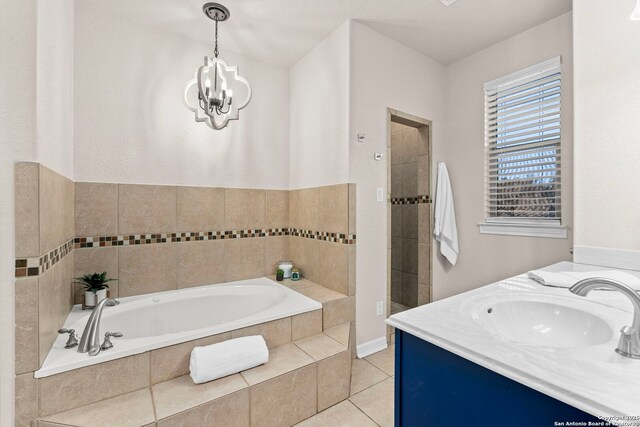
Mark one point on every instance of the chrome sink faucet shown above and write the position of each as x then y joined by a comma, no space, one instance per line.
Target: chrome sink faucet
90,340
629,344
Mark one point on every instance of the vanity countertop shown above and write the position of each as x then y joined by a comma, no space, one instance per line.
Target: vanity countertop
593,378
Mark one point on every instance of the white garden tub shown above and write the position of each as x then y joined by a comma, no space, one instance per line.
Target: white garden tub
165,318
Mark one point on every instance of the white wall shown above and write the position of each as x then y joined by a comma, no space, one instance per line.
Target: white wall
607,125
35,125
486,258
55,86
17,142
131,125
384,74
319,103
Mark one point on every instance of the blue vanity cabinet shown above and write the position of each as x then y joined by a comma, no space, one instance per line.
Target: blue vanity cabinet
434,387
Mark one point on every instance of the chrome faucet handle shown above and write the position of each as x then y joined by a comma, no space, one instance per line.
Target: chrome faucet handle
73,338
107,344
629,343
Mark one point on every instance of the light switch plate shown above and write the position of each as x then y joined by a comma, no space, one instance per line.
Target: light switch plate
380,194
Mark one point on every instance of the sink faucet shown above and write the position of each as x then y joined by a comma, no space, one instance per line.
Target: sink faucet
90,341
629,344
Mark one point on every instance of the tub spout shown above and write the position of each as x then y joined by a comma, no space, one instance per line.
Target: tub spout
90,341
629,344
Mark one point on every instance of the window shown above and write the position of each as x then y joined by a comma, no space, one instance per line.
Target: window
523,153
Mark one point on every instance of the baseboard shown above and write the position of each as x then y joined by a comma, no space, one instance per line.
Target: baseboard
607,257
370,347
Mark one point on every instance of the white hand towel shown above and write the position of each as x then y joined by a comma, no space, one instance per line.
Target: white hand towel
226,358
566,279
444,227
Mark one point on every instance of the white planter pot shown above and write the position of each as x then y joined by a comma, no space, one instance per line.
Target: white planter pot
91,299
100,295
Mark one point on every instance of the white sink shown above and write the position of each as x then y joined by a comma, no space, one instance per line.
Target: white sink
539,320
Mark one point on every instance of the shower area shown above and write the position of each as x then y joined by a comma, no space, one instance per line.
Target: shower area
410,212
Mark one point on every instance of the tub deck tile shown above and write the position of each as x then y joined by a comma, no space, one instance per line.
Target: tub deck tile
180,394
340,333
282,360
127,410
320,346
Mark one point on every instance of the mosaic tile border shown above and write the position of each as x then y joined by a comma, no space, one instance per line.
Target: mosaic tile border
35,266
348,239
410,200
146,239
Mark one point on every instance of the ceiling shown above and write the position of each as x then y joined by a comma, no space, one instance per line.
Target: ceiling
280,32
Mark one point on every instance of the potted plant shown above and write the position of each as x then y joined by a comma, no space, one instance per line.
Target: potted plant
280,275
95,287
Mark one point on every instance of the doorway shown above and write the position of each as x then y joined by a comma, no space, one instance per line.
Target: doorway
409,211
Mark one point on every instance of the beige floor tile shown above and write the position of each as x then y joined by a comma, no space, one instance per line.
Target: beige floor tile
384,359
131,409
320,346
344,414
377,402
181,393
364,375
340,333
282,359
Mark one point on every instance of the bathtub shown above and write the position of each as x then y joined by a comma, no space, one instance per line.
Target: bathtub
161,319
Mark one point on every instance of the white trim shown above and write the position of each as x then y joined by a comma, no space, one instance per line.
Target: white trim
370,347
607,257
514,79
552,231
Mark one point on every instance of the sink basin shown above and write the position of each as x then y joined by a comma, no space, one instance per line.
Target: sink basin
542,322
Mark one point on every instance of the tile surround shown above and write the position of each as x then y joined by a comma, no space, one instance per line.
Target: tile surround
285,400
179,394
133,409
92,384
169,251
27,216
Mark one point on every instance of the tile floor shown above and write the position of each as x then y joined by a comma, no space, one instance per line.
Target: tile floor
396,307
371,401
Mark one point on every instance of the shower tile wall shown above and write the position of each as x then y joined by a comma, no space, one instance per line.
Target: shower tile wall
404,217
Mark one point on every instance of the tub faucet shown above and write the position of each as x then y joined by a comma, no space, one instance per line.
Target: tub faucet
90,340
629,344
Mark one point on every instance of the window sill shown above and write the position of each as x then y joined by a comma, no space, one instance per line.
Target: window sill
552,231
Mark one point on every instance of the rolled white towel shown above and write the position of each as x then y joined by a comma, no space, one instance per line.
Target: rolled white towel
566,279
226,358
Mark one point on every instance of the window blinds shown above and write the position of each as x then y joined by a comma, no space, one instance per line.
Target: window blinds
522,145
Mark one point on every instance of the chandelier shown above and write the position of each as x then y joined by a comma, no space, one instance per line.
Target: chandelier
217,92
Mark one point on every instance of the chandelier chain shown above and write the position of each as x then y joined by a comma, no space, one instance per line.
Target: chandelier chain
215,50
